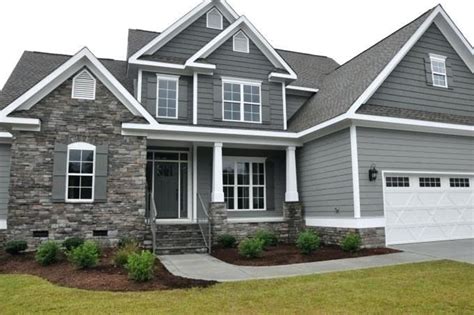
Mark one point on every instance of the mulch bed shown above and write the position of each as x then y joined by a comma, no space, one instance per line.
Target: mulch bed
289,254
104,277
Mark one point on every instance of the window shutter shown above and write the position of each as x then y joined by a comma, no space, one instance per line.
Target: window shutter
183,99
429,76
217,100
266,119
83,86
100,189
150,95
59,172
270,185
449,73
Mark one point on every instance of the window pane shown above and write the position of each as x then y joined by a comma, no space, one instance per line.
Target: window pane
163,156
231,111
87,168
243,198
86,193
243,176
74,155
74,181
87,156
86,181
251,112
439,80
73,193
229,197
228,174
74,167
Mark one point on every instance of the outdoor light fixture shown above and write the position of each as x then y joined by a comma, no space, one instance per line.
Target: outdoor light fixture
373,173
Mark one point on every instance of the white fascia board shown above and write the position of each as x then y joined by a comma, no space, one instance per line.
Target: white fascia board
302,89
308,133
3,224
158,64
5,135
256,220
349,223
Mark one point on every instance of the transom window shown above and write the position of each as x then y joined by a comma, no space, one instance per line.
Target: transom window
430,182
242,102
241,42
167,97
80,172
397,182
438,69
244,183
214,19
459,182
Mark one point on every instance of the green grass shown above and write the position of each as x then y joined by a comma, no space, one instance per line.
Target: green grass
435,287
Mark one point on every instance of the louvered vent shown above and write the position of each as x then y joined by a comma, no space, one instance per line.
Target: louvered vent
241,42
83,86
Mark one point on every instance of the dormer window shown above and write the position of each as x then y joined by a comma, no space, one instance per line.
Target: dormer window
214,19
83,86
438,70
241,42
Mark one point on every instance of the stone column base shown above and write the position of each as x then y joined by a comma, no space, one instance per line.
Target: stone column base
218,217
294,216
3,238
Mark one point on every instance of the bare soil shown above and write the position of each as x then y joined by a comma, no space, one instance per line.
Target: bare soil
283,254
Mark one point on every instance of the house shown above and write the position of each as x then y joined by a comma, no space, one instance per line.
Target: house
207,129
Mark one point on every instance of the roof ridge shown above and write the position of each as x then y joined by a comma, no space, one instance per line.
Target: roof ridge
142,30
66,55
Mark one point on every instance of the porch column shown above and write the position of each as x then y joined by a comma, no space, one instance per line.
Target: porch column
291,184
217,187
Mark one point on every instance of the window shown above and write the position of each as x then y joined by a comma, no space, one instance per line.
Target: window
214,19
244,183
83,86
438,70
430,182
241,42
459,182
397,182
242,102
80,172
167,97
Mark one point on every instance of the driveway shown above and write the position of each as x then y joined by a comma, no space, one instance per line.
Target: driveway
459,250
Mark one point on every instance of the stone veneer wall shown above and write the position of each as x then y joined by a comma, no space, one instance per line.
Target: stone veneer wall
371,237
66,120
3,237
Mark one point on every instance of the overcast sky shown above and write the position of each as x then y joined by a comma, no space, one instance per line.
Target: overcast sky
335,28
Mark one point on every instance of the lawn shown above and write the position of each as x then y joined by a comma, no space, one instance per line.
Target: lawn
435,287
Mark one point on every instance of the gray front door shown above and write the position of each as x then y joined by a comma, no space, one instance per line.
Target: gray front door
167,189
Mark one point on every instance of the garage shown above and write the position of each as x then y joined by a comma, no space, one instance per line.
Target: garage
428,207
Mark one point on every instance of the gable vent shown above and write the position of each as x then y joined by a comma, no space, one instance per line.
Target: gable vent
241,42
214,19
83,86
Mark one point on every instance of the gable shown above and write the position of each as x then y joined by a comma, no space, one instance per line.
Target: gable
407,87
187,42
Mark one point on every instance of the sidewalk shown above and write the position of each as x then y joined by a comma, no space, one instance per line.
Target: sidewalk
206,267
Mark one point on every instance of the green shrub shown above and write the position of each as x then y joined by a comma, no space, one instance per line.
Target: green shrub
86,255
140,266
72,243
308,242
122,254
251,247
125,241
48,253
351,243
269,238
15,247
227,241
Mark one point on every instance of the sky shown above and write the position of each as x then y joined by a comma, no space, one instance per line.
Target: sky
338,29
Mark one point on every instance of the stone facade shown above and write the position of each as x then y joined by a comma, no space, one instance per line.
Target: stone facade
294,216
371,237
3,238
65,120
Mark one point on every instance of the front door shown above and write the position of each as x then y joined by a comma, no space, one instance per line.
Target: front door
167,190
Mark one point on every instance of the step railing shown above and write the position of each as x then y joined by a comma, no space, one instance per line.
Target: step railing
204,222
151,215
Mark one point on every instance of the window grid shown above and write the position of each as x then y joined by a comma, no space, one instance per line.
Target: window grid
430,182
397,182
459,182
80,173
438,69
167,97
242,102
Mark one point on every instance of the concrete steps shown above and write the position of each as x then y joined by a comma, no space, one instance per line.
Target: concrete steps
173,239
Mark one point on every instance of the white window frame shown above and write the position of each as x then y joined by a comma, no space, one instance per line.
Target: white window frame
74,96
242,102
80,146
168,78
442,59
251,160
248,43
221,26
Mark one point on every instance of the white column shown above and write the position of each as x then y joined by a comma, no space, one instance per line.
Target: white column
285,118
195,98
355,171
291,183
217,187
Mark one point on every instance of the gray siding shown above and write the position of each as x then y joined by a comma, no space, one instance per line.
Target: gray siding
401,150
408,88
190,40
325,175
185,98
293,103
253,66
4,179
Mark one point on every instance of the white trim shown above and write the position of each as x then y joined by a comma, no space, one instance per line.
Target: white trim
355,172
301,88
194,181
80,146
221,25
5,135
139,85
195,97
217,194
243,24
441,59
291,194
3,224
166,77
426,172
350,223
73,90
285,114
241,80
247,48
173,221
242,101
256,220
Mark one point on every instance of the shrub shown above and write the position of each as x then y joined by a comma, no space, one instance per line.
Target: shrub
308,242
351,243
227,241
269,238
251,248
125,241
15,247
140,266
72,243
85,256
122,254
47,253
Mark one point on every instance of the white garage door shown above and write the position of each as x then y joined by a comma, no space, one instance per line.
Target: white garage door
425,208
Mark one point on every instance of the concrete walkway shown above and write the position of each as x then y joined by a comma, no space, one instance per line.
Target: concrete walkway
459,250
206,267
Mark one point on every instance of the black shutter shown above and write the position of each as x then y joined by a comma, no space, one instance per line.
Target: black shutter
429,75
183,99
266,119
449,73
101,165
59,172
217,100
